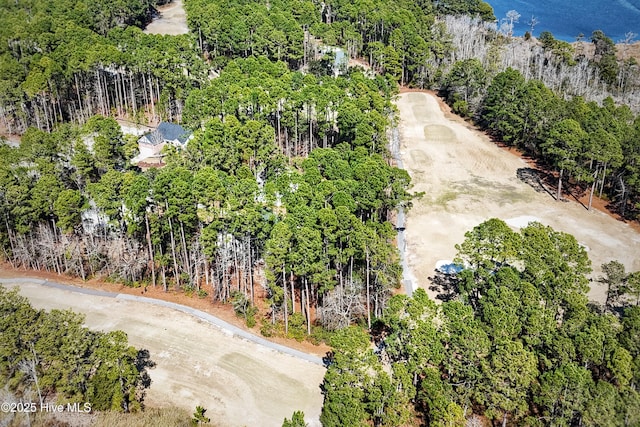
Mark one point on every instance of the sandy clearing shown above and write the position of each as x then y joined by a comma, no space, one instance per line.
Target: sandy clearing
238,382
130,128
172,20
467,179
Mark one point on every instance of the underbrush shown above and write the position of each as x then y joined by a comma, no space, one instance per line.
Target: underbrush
243,308
297,330
115,278
190,290
157,417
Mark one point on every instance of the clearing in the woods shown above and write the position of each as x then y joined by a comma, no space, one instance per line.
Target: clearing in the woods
466,179
172,20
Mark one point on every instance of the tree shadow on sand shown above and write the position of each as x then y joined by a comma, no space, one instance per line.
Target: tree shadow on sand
546,182
537,179
143,363
447,286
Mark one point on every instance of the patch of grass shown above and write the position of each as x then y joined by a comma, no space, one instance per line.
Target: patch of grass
269,329
439,133
157,417
445,198
511,197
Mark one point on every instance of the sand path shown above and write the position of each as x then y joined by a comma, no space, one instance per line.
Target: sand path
172,20
467,179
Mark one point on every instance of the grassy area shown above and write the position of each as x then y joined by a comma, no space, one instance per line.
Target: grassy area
153,417
445,198
156,417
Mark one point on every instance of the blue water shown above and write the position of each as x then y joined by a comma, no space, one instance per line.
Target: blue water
566,19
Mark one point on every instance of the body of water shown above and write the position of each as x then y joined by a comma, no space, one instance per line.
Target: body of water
566,19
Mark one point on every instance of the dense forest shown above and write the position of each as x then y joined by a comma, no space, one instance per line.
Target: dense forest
50,358
285,199
276,183
514,342
64,61
286,190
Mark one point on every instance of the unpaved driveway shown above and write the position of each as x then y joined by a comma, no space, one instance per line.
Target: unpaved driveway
172,20
237,381
467,179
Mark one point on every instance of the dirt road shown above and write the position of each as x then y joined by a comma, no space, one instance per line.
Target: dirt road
172,20
237,381
467,179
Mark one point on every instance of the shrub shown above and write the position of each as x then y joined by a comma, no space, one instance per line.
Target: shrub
243,308
461,107
297,326
319,335
269,329
188,290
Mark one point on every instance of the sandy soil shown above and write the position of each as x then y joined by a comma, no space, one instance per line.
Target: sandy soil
468,179
238,382
130,128
172,20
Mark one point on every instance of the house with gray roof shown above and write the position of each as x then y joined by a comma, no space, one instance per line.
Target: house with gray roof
152,143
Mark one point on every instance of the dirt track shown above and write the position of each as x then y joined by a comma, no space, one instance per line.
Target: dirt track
238,382
467,179
172,20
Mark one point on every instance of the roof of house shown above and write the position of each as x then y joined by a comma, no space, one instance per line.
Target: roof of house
168,132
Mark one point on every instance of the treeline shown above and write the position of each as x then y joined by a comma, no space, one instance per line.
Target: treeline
50,358
594,147
514,341
574,113
396,36
548,99
284,193
67,60
563,67
64,61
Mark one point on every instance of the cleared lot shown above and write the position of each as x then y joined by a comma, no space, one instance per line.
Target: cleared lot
467,179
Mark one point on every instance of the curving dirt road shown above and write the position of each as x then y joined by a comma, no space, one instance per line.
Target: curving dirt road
239,382
172,20
467,179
